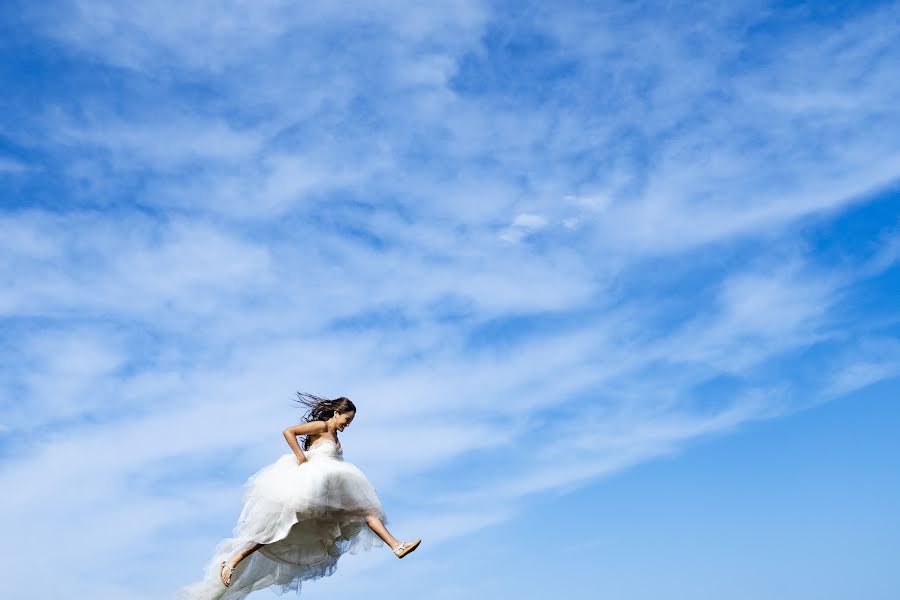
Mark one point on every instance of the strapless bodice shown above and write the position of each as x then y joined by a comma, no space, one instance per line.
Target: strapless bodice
325,448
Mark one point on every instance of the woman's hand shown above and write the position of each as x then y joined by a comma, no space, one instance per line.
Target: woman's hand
291,433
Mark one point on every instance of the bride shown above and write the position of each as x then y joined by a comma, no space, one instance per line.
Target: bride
300,514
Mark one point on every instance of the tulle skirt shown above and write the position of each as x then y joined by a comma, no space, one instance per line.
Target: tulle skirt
306,516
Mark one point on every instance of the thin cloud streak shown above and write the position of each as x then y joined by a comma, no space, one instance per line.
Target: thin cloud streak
536,248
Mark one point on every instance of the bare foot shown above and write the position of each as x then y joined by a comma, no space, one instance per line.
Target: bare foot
226,572
405,548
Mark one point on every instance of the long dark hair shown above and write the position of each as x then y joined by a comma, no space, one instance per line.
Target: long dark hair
321,409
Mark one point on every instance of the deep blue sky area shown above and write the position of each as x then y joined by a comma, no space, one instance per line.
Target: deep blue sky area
778,508
614,287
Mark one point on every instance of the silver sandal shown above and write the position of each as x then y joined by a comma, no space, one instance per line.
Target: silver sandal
230,573
405,548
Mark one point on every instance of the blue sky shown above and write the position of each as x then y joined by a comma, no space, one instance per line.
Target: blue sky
614,287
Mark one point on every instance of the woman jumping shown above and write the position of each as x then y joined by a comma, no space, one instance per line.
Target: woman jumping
300,514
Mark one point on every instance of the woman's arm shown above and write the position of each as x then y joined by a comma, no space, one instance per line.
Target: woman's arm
291,433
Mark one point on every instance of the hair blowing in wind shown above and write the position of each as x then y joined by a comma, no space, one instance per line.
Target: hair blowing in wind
321,409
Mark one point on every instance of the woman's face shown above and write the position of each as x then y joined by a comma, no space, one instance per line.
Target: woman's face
343,419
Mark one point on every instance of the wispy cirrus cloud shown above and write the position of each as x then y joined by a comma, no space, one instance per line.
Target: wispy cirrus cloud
586,229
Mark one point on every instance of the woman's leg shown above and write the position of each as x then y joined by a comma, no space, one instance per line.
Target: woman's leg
378,527
246,551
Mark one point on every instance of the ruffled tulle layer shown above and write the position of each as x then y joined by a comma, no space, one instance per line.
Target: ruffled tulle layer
306,516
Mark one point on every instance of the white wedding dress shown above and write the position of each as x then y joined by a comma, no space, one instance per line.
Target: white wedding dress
307,516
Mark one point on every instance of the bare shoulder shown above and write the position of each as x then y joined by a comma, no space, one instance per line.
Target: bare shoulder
307,428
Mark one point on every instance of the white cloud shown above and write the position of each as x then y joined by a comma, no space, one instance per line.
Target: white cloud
81,262
860,375
598,203
865,363
522,226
